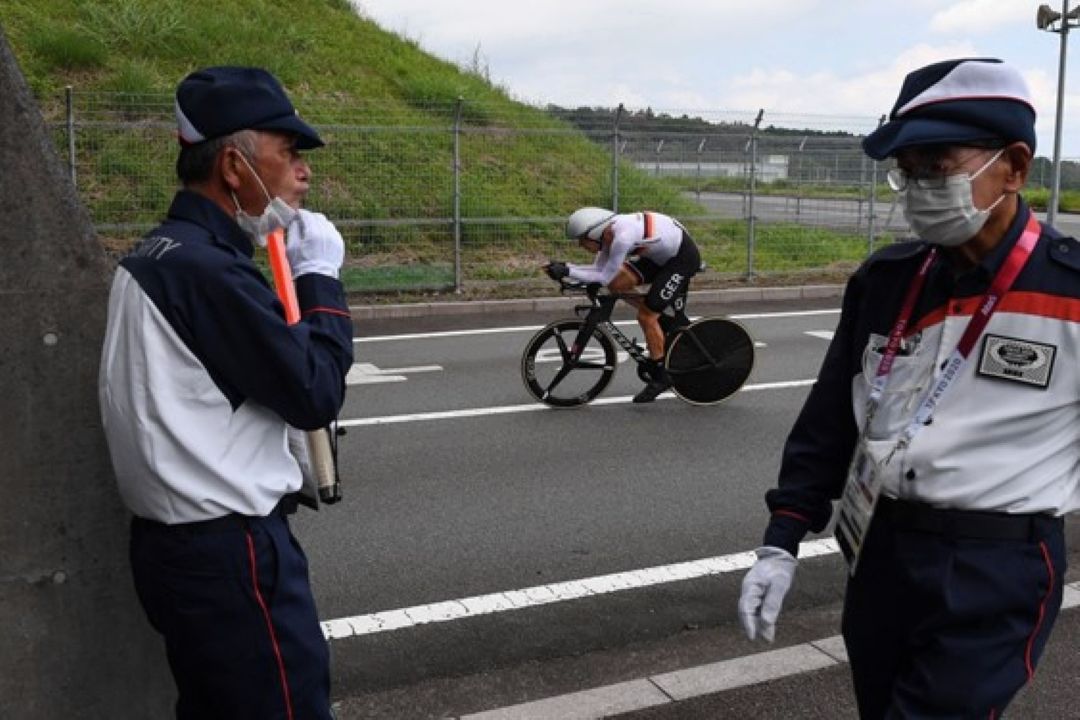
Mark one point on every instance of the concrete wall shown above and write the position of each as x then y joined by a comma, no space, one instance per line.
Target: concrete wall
73,641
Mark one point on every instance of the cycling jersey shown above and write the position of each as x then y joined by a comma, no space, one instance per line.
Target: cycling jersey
650,235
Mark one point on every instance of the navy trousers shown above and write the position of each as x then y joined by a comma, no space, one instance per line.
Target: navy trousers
233,602
939,625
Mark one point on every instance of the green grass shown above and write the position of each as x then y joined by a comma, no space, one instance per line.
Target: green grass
394,277
348,70
343,70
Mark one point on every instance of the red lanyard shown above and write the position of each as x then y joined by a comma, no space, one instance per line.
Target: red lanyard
1004,279
1000,285
896,335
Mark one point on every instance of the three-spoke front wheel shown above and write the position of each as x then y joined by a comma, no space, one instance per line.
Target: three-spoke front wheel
554,377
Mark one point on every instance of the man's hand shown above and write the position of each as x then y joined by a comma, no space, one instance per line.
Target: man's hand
314,245
556,270
763,591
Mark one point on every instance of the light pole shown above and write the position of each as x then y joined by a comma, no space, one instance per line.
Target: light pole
1044,20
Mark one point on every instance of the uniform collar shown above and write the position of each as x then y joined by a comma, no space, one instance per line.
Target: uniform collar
978,277
194,207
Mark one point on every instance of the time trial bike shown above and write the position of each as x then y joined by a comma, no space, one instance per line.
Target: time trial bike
569,362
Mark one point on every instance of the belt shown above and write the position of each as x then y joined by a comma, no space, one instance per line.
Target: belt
970,524
233,521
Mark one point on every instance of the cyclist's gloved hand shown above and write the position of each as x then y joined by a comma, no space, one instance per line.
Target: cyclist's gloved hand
314,245
763,591
556,270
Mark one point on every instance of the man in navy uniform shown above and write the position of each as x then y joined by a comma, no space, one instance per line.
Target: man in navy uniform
945,418
201,377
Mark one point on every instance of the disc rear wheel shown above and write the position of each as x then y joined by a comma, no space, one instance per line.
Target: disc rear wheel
709,360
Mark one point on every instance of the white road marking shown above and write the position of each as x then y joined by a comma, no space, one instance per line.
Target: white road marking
534,328
532,407
823,334
794,313
368,373
340,628
697,681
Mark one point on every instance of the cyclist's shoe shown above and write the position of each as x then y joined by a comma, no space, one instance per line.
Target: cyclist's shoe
651,391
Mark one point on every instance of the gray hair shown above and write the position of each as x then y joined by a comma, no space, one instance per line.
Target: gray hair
195,162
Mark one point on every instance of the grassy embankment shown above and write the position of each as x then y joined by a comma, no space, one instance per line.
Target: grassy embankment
362,75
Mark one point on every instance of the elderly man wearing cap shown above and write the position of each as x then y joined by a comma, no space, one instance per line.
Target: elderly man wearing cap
945,419
201,376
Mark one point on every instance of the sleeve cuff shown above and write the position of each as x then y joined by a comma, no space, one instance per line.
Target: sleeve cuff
786,530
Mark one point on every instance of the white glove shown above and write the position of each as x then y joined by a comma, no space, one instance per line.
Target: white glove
763,591
314,245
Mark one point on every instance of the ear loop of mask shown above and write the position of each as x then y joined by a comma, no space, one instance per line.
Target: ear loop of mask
257,179
980,171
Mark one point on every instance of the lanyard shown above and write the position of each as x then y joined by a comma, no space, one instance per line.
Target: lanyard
1000,285
896,335
1003,280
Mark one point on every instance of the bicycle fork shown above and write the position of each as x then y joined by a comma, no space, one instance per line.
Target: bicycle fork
571,356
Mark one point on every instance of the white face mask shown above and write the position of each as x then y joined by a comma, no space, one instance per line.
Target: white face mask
276,214
946,215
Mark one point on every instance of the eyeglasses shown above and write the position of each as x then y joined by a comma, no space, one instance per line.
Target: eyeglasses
899,179
931,175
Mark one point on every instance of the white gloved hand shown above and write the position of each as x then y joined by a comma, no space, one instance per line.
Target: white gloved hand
314,245
763,591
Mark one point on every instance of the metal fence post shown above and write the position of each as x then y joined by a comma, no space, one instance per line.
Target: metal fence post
70,104
799,177
750,210
615,150
871,230
700,150
457,195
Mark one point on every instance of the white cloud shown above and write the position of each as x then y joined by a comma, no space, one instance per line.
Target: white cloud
867,94
979,16
800,58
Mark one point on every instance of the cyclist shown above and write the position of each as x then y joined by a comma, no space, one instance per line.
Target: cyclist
635,249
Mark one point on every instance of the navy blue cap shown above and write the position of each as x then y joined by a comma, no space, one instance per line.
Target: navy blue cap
971,100
218,101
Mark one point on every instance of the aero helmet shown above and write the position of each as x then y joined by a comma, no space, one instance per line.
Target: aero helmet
589,221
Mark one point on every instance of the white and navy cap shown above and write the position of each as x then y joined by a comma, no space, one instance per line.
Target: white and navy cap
218,101
972,100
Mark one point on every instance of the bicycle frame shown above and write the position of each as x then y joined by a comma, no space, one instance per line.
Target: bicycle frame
598,313
702,371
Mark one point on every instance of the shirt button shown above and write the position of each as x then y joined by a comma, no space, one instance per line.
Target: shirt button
957,308
910,474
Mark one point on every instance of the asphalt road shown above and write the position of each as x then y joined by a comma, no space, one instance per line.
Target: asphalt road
460,493
469,503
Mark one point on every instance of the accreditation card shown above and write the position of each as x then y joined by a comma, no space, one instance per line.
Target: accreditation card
861,492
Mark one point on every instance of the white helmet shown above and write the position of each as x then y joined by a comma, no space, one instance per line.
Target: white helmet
589,221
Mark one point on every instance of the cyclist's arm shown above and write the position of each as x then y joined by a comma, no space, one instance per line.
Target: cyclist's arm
608,261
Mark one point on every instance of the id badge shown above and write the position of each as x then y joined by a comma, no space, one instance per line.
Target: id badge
857,503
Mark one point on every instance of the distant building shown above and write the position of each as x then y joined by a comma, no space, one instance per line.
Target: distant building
770,168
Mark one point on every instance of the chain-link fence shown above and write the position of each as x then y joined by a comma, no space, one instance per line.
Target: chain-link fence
472,196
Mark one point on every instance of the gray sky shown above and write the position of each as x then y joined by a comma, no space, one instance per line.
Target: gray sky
796,59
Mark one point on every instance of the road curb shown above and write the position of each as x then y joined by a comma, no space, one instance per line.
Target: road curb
546,304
